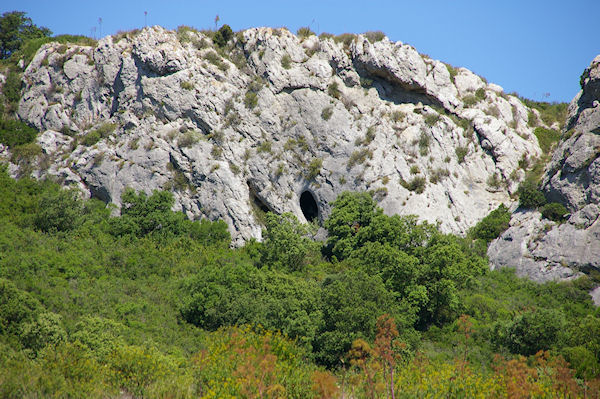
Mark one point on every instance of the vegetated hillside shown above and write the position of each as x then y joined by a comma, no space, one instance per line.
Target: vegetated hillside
555,232
238,124
150,304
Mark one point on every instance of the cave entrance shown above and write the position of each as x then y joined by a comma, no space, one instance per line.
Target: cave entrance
309,206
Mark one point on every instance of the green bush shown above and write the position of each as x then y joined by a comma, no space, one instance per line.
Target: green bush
351,303
251,99
358,157
327,113
547,138
314,168
188,139
470,100
549,112
554,211
58,210
239,293
186,85
432,118
223,36
416,184
461,153
102,132
452,71
17,307
491,226
286,61
530,196
31,47
531,331
287,245
334,91
304,32
14,133
480,94
345,38
11,89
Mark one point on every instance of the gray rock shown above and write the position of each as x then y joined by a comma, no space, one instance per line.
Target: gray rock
231,136
543,250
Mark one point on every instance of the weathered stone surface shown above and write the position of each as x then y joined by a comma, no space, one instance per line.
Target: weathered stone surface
544,250
275,117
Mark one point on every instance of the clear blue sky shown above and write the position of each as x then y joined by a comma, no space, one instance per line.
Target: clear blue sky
532,47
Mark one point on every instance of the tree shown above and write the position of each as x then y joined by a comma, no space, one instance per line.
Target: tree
351,303
351,212
223,35
58,210
287,245
16,29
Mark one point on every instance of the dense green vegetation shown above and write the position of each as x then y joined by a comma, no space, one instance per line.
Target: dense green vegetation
151,303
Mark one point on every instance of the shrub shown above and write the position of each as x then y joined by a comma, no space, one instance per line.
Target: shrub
102,132
12,88
480,94
374,36
423,144
286,61
546,138
529,195
14,133
186,85
265,146
345,39
314,168
58,210
359,157
333,90
438,175
216,60
366,82
452,71
549,112
26,152
251,99
416,184
554,211
494,180
461,153
397,116
183,33
491,226
531,331
327,113
223,35
304,32
432,118
532,119
470,100
188,139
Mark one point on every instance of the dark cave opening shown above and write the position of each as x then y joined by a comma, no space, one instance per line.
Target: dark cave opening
309,206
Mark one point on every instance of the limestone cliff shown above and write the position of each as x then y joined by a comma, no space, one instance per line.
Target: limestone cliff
544,250
271,118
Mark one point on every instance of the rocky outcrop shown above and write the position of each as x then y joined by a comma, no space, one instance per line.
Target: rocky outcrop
251,127
544,250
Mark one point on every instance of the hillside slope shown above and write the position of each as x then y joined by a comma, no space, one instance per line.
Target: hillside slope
272,121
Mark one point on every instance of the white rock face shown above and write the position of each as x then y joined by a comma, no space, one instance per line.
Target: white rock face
271,116
544,250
